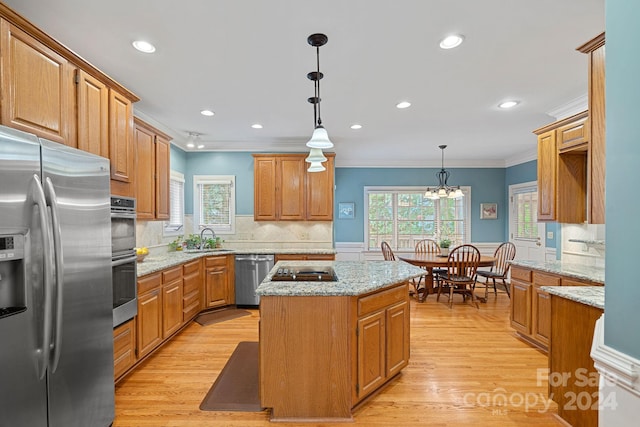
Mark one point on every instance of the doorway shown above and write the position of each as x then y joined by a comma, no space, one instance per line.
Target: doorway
524,229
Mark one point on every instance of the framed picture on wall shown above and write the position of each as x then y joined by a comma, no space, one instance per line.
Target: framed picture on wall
488,211
346,210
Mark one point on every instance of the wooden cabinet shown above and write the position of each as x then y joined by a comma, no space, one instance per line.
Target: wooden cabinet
92,97
191,290
597,141
151,172
149,319
219,279
345,347
562,170
37,87
285,191
304,257
171,301
124,348
382,336
531,316
121,151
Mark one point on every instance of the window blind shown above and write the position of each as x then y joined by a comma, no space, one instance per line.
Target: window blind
525,206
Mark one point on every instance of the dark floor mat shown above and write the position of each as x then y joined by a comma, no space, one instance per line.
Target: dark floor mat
236,388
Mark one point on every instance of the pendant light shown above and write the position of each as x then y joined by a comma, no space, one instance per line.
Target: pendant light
443,189
320,138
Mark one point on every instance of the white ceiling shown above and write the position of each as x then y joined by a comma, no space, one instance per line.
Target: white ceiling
247,60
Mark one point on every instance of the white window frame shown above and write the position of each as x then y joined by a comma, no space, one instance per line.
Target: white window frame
176,202
466,190
214,179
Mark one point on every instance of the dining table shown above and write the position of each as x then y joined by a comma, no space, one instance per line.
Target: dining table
429,261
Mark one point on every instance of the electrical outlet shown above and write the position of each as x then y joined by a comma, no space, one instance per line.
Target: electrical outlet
549,234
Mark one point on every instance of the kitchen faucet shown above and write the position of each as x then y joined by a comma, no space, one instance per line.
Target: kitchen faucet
213,236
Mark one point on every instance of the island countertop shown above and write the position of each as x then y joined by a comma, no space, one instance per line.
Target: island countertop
588,295
354,278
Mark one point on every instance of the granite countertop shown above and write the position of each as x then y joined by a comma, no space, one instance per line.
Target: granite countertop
154,263
577,271
354,278
588,295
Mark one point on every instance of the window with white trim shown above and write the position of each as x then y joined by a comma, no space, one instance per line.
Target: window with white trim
175,225
525,213
214,203
402,216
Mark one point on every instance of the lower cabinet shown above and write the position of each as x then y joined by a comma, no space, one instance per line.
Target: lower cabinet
219,281
191,286
382,334
124,347
149,319
171,301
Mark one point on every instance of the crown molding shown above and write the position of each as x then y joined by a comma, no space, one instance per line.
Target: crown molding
574,106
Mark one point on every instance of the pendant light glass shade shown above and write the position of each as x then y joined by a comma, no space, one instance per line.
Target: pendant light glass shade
316,167
320,139
315,156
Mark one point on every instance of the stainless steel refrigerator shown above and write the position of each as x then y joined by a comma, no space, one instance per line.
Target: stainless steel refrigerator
56,333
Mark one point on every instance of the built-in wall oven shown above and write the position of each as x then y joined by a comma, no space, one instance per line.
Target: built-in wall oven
123,259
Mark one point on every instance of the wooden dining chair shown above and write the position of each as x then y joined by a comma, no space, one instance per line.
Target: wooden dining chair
429,246
387,253
503,254
460,277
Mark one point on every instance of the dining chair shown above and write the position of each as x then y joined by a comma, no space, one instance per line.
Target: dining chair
503,254
460,276
387,253
429,246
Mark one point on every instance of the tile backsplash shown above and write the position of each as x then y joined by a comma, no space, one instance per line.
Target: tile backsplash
583,244
249,234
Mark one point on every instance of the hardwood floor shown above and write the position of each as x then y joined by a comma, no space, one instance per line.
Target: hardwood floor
466,368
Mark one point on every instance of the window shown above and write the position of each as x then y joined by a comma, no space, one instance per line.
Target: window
214,202
175,225
525,213
403,216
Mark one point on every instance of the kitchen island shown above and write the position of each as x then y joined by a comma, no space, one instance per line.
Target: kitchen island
326,346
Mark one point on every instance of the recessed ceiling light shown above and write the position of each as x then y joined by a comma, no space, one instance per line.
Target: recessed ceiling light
356,126
190,145
403,104
508,104
200,145
451,41
256,126
144,46
207,113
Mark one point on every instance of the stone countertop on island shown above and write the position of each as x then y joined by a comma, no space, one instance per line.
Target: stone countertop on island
588,295
354,278
578,271
154,263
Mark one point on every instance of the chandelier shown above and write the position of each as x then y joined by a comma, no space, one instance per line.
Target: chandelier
443,189
320,138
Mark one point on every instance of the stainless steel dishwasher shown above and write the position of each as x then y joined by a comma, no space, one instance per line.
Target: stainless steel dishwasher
250,271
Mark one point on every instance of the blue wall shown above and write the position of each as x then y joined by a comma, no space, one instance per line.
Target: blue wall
487,186
622,291
178,160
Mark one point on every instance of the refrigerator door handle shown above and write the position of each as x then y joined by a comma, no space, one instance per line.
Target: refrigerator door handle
39,199
52,201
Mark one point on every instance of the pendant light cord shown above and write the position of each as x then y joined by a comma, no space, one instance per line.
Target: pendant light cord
318,83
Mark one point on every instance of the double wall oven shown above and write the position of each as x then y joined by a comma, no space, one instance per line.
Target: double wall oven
123,259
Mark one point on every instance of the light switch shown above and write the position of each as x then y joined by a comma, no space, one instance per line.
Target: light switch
549,234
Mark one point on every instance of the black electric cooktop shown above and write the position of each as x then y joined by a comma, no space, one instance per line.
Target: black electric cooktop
305,274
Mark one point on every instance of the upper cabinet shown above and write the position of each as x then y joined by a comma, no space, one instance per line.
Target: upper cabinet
151,172
37,87
595,49
571,155
285,191
48,90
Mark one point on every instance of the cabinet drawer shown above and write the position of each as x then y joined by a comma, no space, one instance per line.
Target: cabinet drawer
321,257
189,312
219,261
379,300
123,338
190,299
578,282
172,274
149,282
191,267
521,274
191,283
573,136
543,279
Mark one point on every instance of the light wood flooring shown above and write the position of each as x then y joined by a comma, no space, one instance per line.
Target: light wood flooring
466,368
